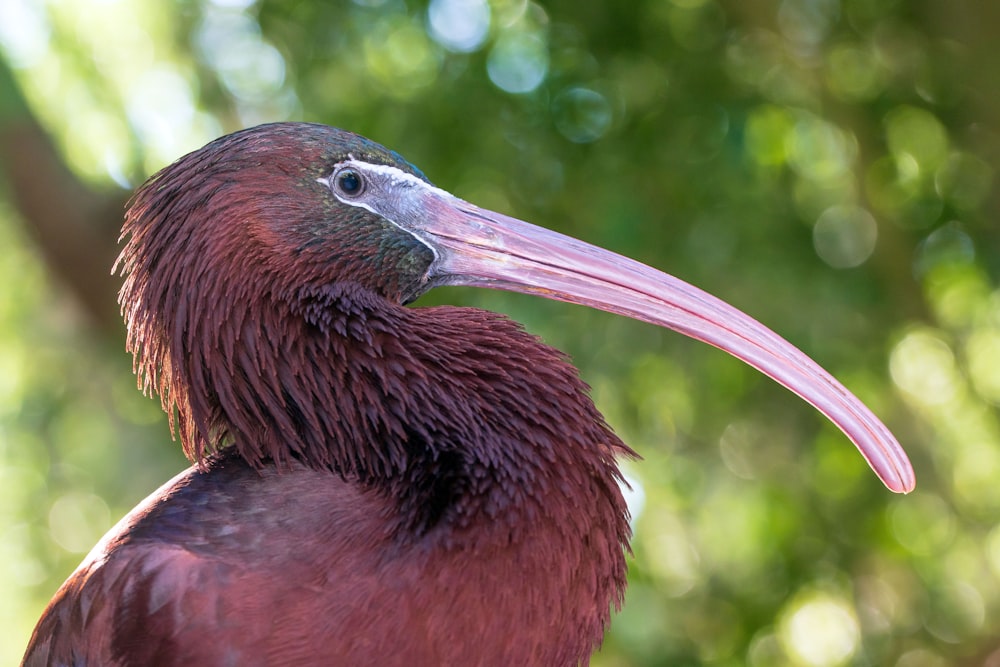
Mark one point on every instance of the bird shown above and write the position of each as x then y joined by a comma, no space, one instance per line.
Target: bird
373,483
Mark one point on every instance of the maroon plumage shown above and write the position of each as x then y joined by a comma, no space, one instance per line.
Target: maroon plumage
385,473
374,484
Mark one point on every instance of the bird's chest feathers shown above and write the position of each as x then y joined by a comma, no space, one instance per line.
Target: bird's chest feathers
310,546
452,411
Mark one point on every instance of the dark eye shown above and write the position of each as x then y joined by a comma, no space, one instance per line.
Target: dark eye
349,182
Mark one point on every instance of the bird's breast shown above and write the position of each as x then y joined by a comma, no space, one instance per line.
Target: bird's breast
300,567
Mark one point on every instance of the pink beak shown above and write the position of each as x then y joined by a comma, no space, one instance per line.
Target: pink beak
480,248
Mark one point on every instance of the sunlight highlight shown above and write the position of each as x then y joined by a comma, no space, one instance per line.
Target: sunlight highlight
820,630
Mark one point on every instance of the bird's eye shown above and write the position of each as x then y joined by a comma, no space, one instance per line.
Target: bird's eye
349,183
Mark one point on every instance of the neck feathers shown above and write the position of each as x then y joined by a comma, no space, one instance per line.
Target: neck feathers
458,408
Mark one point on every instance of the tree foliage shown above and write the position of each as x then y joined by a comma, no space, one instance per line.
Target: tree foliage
826,165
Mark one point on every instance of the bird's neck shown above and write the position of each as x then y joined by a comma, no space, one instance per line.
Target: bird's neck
457,412
487,456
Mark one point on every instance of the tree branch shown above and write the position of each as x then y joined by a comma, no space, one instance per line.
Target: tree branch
75,227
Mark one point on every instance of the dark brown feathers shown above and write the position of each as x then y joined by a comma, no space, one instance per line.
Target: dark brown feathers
231,566
375,484
223,249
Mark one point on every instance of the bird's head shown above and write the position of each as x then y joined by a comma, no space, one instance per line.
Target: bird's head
270,208
289,214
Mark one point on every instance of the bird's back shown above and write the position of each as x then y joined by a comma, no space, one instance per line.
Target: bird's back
227,549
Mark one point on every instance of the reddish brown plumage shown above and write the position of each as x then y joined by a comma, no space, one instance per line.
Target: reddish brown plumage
231,253
374,484
392,485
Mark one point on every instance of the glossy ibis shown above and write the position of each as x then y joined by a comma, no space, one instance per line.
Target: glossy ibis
373,484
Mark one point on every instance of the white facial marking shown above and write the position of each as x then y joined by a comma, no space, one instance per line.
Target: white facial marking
390,193
396,176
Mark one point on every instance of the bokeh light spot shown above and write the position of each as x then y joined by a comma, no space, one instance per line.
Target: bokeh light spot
975,473
844,236
518,62
752,55
157,103
231,43
956,292
401,58
820,630
581,115
234,4
256,70
77,520
24,32
820,150
916,134
950,244
923,366
853,73
459,25
958,611
670,555
922,657
507,13
983,354
807,22
99,133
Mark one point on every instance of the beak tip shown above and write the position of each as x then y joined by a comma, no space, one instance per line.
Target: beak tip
904,487
900,479
908,485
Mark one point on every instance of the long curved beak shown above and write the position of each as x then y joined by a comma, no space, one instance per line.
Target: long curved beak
477,247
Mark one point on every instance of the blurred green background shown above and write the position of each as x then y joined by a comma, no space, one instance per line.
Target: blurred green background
826,165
